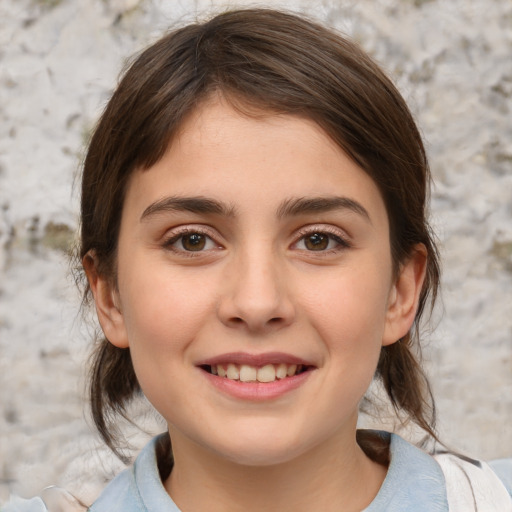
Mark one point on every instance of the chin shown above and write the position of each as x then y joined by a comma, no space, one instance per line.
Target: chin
269,456
260,450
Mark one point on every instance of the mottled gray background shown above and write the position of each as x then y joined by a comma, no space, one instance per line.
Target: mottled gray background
59,60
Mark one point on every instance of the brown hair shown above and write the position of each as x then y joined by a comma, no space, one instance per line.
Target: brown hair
272,61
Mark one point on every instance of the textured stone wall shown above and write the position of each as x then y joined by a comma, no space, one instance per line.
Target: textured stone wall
59,60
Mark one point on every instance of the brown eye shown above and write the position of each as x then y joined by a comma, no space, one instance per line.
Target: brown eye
321,242
193,242
189,242
316,242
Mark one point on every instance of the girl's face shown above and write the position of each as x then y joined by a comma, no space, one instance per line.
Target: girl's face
255,247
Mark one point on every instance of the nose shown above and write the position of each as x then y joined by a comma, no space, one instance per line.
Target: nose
256,295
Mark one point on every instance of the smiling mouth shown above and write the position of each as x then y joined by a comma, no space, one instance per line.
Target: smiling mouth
248,373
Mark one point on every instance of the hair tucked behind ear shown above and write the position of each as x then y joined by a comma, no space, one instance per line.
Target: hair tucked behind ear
259,60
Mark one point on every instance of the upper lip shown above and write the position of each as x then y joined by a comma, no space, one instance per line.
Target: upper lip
256,360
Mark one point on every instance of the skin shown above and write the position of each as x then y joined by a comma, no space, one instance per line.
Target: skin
257,286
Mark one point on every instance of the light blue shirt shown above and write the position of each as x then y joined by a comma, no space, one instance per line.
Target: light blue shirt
414,482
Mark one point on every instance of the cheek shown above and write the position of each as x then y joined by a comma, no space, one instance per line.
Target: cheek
163,316
163,311
349,309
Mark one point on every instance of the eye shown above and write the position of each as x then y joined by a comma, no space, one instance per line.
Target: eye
194,242
321,241
191,241
317,242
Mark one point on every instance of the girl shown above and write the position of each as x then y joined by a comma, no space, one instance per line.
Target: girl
254,237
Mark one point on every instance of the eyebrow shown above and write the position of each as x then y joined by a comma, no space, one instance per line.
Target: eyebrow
310,205
289,208
199,204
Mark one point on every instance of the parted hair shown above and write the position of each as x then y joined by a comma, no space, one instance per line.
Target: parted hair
260,60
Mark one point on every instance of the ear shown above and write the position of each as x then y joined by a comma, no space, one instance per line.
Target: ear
404,296
106,299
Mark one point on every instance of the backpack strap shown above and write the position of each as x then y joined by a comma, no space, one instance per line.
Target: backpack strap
472,486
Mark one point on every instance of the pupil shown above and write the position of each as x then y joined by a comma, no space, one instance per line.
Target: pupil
317,242
194,242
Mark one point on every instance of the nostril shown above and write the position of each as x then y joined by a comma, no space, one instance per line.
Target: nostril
236,320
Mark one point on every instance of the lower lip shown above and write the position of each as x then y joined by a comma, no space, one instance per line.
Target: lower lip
257,391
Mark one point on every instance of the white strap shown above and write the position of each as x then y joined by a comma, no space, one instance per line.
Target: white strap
17,504
52,499
471,488
57,499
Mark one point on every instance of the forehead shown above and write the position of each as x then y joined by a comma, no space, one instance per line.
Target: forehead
224,125
252,158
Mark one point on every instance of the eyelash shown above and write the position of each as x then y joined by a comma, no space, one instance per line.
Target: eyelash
302,234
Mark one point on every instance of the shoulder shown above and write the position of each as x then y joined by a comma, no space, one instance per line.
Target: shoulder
414,480
138,489
119,495
418,481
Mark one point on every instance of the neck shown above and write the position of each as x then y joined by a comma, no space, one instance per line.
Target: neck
327,478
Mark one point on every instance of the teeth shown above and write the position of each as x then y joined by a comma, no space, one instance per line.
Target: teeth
291,370
267,373
232,372
281,371
247,373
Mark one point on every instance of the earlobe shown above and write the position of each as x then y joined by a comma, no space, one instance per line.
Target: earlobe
107,303
404,296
